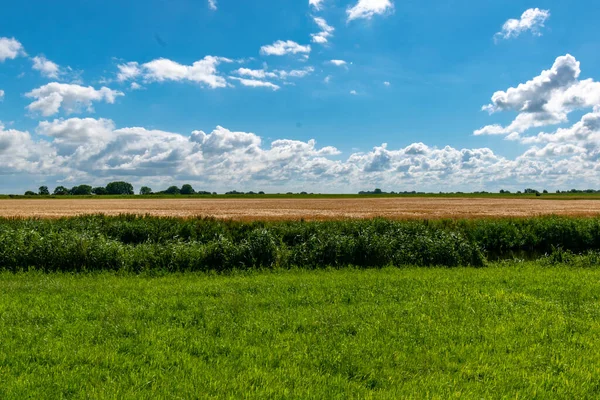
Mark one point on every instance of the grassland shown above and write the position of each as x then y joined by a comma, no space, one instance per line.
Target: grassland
145,307
518,330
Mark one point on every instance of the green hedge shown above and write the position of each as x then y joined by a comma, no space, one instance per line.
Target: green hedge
136,243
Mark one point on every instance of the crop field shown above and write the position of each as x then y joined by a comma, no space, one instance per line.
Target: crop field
304,208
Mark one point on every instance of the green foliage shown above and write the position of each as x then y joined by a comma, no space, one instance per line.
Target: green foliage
99,191
172,190
138,243
519,331
43,191
145,190
81,190
119,188
61,191
30,193
187,189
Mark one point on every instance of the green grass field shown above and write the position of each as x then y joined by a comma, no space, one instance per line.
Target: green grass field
517,330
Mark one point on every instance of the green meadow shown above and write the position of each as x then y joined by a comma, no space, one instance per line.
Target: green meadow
517,329
133,307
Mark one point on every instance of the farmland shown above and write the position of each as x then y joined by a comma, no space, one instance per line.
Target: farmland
309,208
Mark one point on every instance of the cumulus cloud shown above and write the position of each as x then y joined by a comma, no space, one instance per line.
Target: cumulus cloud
1,95
545,100
531,20
46,67
353,92
386,83
280,48
19,152
95,150
135,86
255,83
127,71
212,4
326,32
366,9
203,71
10,48
71,97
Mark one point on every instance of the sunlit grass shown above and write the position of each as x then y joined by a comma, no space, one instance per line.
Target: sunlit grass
516,330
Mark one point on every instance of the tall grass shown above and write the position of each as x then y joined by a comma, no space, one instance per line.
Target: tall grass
137,243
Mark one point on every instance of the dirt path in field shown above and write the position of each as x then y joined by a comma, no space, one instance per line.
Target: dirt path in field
313,209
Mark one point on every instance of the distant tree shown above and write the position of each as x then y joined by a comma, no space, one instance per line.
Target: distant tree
119,188
261,192
545,191
251,192
61,191
81,190
303,193
518,192
145,190
99,191
377,191
30,193
172,190
43,191
187,189
214,193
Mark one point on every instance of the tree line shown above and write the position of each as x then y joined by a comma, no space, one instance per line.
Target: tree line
113,188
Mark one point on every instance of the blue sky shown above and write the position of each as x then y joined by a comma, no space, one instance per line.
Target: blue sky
333,96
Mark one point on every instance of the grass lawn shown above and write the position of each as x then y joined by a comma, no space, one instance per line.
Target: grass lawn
516,330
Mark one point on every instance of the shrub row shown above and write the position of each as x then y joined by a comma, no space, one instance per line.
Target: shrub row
137,243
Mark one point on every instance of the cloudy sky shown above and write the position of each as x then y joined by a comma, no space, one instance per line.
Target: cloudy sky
292,95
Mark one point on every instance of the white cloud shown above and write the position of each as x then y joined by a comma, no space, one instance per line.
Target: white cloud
203,71
1,95
386,83
532,20
46,67
94,150
10,48
212,4
545,100
326,31
255,73
280,48
368,8
255,83
317,4
353,92
275,74
295,73
127,71
72,98
135,86
327,79
338,63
